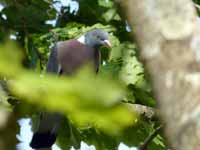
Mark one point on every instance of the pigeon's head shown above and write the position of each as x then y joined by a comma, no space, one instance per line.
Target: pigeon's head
96,38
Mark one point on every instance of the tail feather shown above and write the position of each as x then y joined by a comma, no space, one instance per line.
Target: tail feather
43,140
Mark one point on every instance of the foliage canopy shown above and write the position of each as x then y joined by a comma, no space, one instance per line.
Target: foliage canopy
94,105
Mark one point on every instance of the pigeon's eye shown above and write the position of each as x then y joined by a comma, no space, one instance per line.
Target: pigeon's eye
100,38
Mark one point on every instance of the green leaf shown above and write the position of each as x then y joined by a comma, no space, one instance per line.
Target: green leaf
82,98
106,3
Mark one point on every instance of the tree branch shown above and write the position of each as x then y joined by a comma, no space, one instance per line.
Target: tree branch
150,138
168,35
148,112
197,6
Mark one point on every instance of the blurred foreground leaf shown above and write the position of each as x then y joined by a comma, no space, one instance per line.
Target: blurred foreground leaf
10,59
85,98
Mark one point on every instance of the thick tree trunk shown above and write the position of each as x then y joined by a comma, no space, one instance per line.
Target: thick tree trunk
167,33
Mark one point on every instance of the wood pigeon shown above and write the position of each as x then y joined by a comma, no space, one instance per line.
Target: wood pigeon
65,59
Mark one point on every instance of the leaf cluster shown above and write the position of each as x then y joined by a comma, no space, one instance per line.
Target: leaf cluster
93,105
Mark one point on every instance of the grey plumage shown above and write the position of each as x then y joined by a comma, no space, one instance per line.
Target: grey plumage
52,64
66,58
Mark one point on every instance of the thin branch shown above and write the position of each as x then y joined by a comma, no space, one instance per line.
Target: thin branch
197,6
148,112
150,138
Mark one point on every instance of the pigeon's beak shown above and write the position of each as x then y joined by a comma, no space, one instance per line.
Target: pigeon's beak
107,43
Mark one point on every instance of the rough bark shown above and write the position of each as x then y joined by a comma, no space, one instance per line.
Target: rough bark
145,111
168,36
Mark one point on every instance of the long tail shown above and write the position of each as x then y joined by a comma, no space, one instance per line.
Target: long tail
42,140
46,133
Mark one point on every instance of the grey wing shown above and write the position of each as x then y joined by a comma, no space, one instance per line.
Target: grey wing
52,64
47,123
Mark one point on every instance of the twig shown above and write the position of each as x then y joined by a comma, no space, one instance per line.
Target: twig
148,112
150,138
197,6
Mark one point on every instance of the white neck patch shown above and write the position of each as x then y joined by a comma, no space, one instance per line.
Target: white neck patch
81,39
